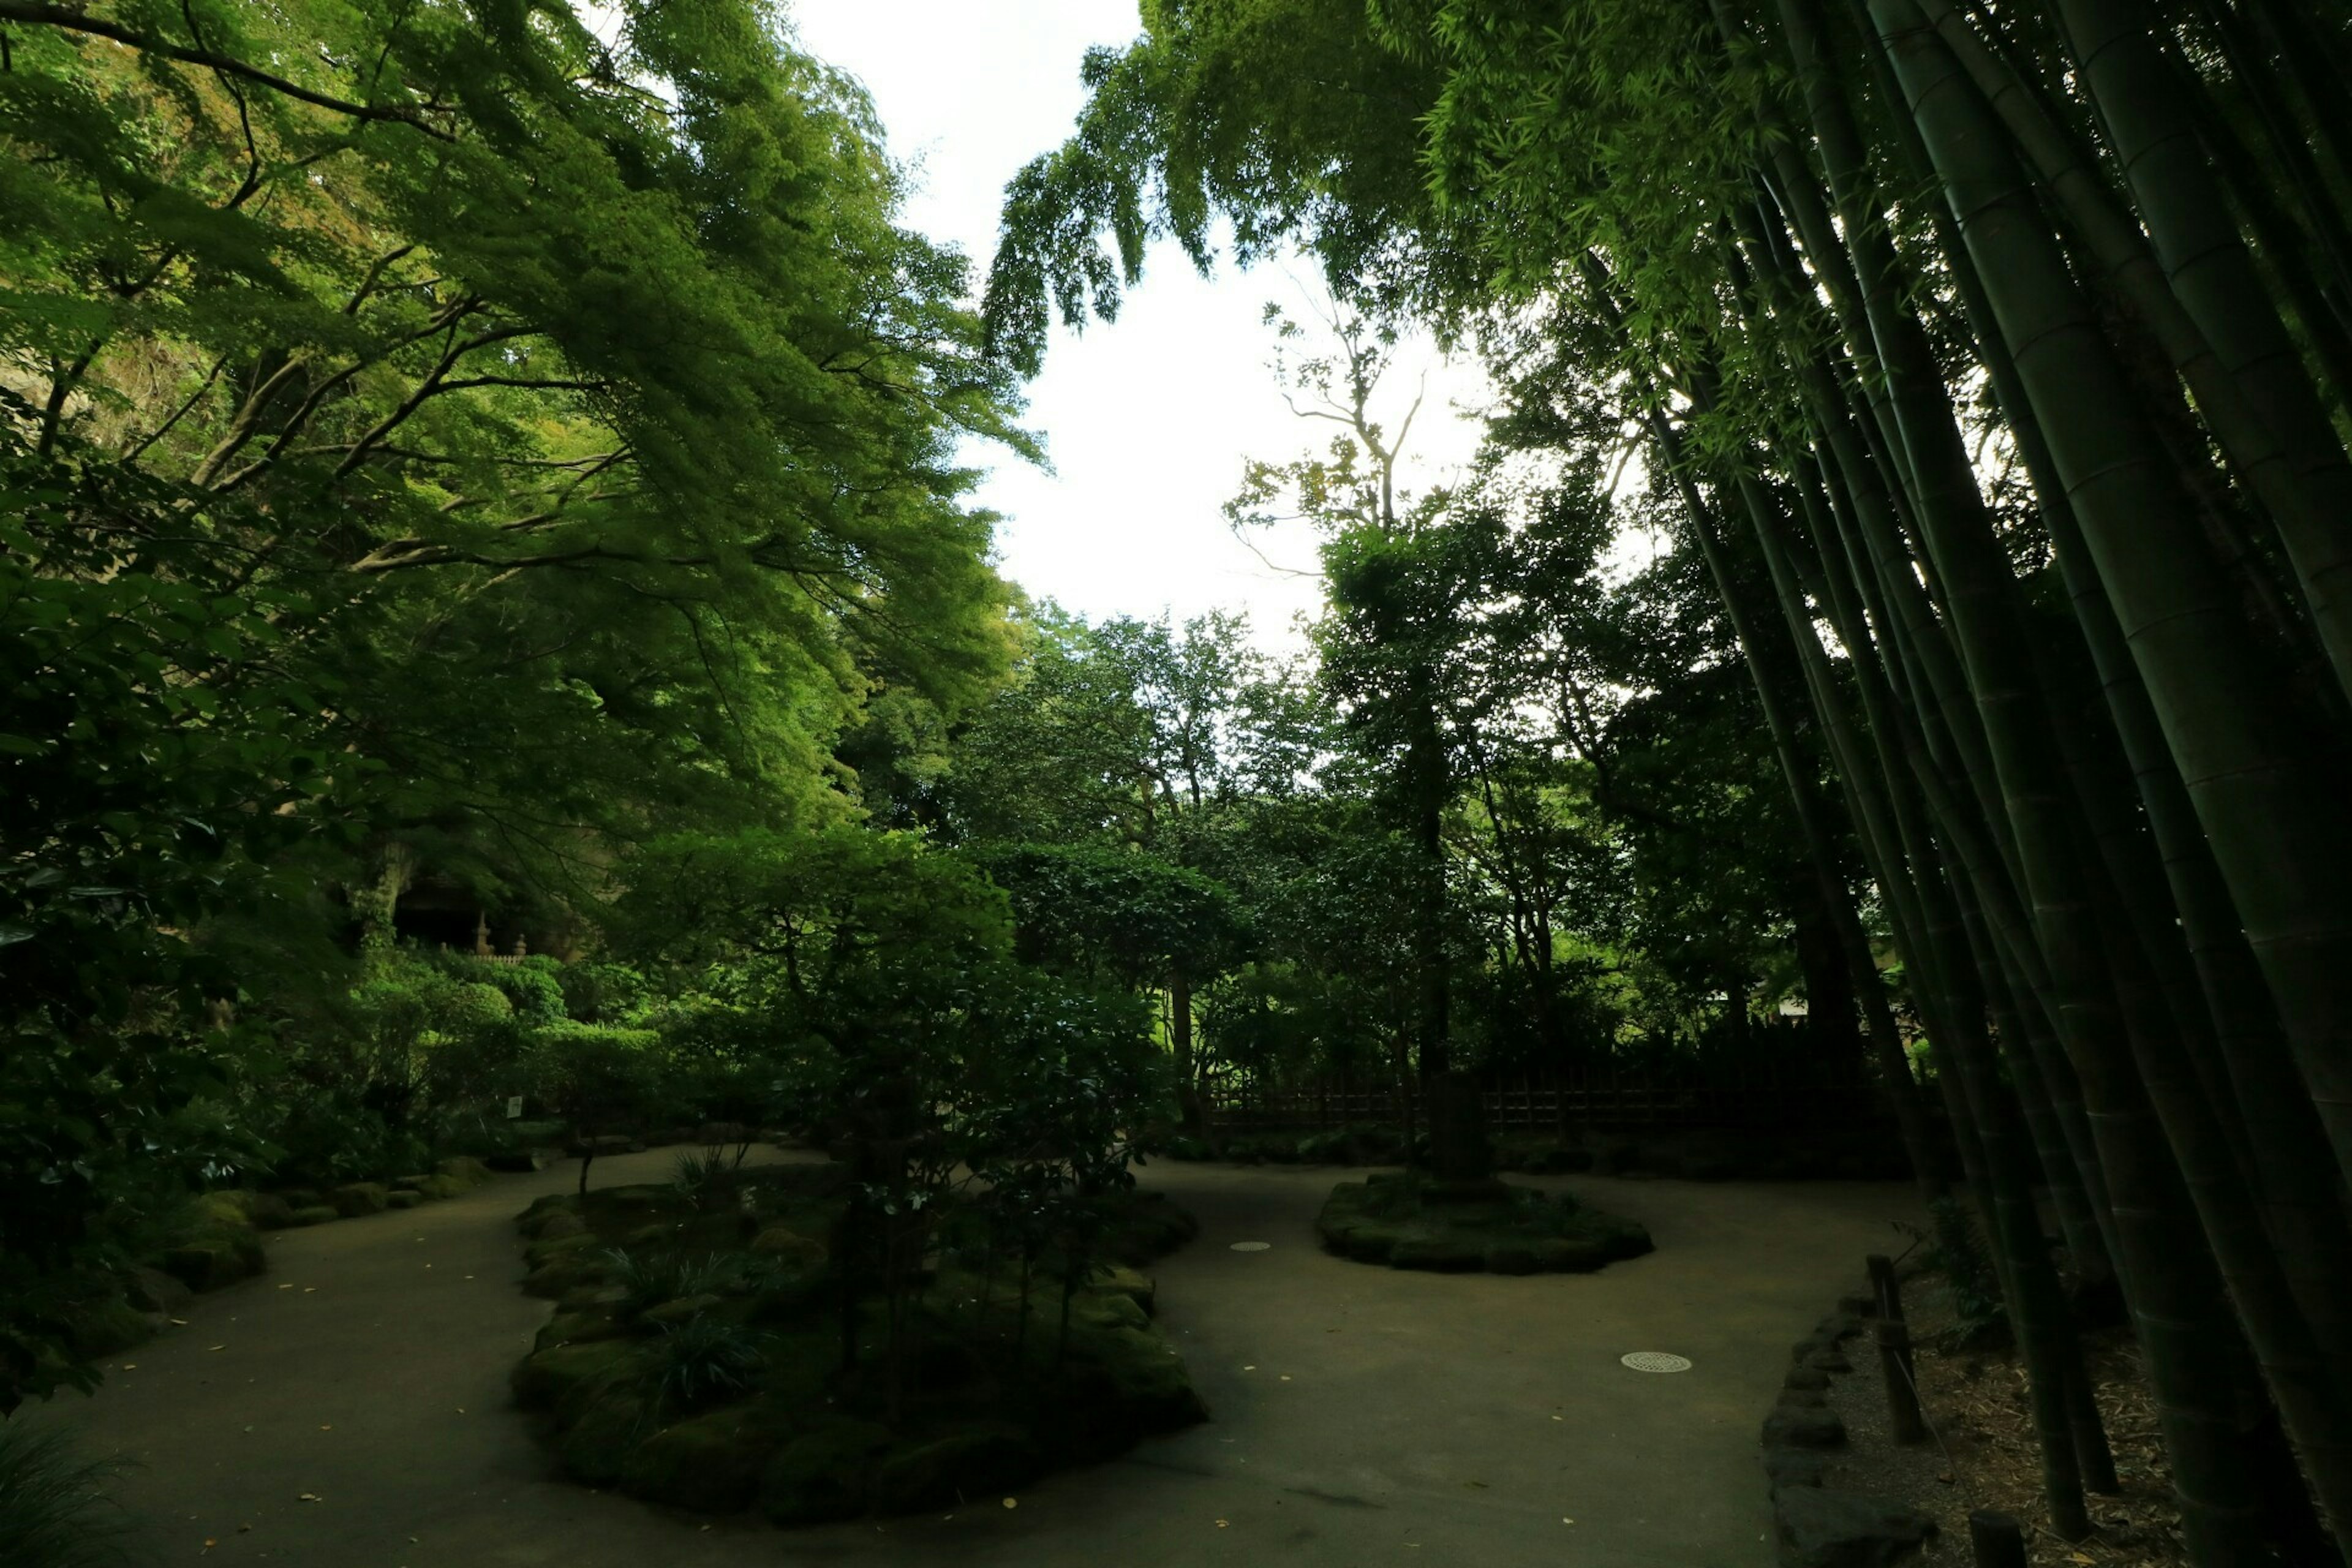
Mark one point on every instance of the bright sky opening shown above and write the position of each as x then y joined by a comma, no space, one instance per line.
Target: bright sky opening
1147,419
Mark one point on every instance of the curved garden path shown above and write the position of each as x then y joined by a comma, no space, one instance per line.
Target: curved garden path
1362,1416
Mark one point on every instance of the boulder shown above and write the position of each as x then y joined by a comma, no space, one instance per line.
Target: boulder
578,1328
1441,1254
1805,1377
318,1213
560,1275
532,1218
152,1290
596,1447
1569,1255
517,1161
563,1378
1829,1361
1819,1528
582,1240
354,1198
1132,1283
594,1297
101,1328
1837,1328
211,1264
659,1234
1794,1466
712,1464
439,1189
462,1169
215,1213
268,1211
1798,1427
679,1310
954,1470
1107,1310
1512,1258
1144,1376
556,1224
302,1198
402,1198
1803,1399
788,1246
822,1475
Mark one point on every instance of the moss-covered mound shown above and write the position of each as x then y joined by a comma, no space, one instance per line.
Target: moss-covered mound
1411,1222
695,1360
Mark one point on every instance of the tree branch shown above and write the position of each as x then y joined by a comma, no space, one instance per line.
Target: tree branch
36,14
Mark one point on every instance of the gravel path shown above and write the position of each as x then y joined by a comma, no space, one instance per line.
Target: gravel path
349,1408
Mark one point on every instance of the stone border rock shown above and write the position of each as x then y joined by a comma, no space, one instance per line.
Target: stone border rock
1815,1525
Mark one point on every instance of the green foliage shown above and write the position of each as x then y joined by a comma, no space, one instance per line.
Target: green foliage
707,1359
440,445
1096,909
532,989
652,1277
56,1507
1959,1252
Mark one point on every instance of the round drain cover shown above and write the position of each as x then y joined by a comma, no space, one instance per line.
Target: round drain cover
1655,1360
1251,1245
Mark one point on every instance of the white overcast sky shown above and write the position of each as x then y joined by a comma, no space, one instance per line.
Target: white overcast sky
1147,419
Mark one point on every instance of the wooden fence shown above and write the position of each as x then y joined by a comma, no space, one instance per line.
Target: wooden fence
1605,1105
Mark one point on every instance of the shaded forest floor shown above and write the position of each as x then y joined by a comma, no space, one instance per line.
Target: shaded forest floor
350,1405
1987,1456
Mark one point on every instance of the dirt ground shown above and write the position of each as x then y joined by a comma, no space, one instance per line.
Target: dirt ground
1984,1453
350,1407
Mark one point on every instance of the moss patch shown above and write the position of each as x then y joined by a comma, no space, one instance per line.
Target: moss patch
1410,1223
696,1361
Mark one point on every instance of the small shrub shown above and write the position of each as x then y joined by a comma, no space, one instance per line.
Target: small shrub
1959,1254
55,1509
531,988
707,1359
708,1179
651,1279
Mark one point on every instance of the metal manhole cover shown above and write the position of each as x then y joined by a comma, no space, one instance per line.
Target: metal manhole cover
1251,1245
1655,1360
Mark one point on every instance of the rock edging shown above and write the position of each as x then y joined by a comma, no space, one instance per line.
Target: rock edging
1816,1525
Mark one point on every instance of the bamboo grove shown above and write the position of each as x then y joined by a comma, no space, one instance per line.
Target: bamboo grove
1999,356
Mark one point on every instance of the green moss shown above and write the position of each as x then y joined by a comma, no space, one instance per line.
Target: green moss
578,1328
712,1464
549,1250
1132,1283
464,1170
596,1447
316,1214
354,1198
543,1206
955,1468
823,1474
102,1328
209,1265
564,1378
560,1276
1439,1254
1406,1224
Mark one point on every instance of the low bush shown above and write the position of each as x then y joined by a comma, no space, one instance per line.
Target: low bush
57,1507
